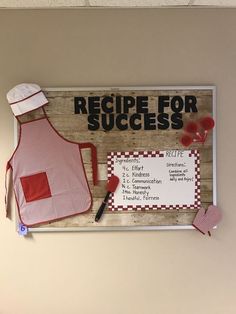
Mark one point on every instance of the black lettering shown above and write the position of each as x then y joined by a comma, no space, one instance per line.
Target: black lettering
142,104
93,104
129,102
163,101
80,105
177,122
133,125
118,104
93,122
105,107
190,104
149,121
108,121
163,121
177,104
119,125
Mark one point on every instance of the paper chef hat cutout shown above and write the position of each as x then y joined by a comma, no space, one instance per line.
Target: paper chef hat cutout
26,97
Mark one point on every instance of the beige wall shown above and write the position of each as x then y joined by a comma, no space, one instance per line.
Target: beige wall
175,272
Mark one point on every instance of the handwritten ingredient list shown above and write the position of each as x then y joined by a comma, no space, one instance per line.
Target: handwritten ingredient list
155,179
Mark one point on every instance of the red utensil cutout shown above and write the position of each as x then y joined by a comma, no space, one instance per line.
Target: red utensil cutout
111,187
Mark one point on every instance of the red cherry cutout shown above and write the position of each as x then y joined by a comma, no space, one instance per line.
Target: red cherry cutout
186,140
207,123
191,127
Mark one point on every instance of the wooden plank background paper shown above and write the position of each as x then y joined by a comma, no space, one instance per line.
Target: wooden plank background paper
153,135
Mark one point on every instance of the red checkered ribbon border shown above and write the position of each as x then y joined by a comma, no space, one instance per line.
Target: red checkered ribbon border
110,170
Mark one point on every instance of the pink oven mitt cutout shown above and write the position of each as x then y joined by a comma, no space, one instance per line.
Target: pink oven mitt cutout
205,220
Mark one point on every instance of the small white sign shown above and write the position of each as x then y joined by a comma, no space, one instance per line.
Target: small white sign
155,180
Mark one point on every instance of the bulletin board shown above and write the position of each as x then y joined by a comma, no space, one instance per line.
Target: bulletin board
137,132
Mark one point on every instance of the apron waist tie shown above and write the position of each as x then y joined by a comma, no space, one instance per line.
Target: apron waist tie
8,166
94,160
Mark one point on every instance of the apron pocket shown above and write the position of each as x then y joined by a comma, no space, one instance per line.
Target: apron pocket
35,187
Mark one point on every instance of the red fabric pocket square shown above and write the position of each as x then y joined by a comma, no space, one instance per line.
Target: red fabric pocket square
35,187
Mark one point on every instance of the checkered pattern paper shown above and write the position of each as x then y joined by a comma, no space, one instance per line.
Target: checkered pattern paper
152,180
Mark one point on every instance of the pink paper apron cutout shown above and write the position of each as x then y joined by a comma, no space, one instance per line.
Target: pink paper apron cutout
49,179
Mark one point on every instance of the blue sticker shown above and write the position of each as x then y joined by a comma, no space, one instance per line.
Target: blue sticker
22,230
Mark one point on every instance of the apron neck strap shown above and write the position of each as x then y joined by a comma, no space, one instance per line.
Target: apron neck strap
33,115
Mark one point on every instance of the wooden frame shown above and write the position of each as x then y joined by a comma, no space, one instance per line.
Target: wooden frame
67,224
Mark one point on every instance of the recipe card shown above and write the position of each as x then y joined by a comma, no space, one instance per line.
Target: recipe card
152,180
